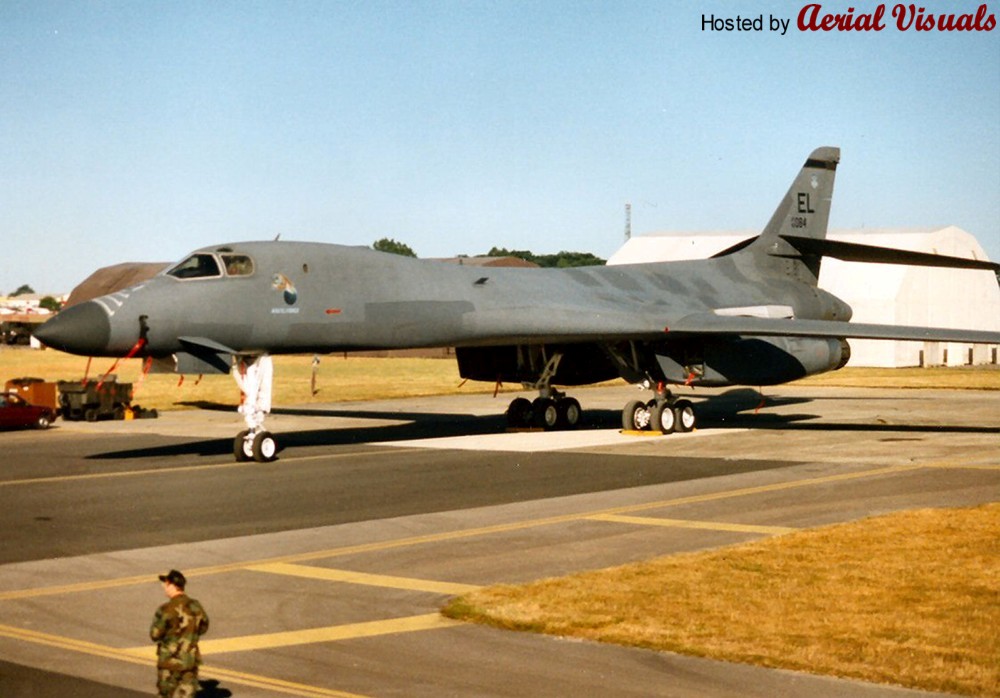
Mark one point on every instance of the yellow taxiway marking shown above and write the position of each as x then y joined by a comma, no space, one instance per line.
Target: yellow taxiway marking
184,469
683,523
446,536
375,580
333,633
123,473
278,685
146,657
985,465
68,643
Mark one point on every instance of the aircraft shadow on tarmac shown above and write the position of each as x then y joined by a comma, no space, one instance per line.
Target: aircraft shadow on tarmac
735,409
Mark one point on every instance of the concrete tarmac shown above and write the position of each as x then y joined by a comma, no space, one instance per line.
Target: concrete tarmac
323,572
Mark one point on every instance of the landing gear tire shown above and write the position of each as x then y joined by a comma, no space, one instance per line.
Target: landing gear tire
662,418
684,416
241,449
569,412
519,413
635,416
265,447
545,413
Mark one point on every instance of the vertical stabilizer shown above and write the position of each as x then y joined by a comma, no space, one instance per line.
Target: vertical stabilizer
804,212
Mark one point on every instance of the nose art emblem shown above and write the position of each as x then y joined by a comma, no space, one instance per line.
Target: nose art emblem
282,283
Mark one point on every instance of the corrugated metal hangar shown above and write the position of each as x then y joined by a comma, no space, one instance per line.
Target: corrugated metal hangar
878,293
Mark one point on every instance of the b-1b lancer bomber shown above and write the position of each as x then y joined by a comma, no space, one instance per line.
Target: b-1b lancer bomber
752,315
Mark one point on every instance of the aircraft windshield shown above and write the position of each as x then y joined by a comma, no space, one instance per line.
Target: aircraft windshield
197,266
237,264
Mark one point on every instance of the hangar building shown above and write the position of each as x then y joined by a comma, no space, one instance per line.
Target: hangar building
878,293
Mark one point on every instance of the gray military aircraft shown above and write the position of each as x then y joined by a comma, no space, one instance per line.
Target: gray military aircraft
751,315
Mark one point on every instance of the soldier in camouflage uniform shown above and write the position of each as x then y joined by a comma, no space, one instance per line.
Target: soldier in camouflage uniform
176,628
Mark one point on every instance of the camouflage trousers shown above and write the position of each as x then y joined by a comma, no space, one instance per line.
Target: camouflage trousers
177,684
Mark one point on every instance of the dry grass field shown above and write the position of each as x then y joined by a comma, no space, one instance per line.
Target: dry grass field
338,378
949,378
911,598
367,378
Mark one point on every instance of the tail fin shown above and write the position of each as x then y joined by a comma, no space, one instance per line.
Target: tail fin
803,213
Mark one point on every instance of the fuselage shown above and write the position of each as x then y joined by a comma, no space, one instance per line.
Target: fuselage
291,297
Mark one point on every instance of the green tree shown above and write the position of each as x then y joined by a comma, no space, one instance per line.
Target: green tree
22,290
393,247
561,259
50,303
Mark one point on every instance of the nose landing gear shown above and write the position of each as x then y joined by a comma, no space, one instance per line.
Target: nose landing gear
254,379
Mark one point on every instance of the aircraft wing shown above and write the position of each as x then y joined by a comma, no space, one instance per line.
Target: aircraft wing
709,323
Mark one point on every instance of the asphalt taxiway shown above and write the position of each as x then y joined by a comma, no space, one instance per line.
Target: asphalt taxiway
323,572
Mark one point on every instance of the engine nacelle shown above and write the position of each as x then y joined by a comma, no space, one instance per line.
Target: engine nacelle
579,364
751,360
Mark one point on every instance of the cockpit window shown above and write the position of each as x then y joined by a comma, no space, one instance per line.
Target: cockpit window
197,266
237,264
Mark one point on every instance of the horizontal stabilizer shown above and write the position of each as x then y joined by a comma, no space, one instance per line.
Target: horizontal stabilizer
705,323
853,252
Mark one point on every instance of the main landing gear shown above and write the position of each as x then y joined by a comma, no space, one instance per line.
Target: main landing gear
550,411
664,413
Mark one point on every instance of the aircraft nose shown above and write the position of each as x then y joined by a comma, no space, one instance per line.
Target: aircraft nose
80,329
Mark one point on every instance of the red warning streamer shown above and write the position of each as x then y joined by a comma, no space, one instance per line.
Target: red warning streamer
132,352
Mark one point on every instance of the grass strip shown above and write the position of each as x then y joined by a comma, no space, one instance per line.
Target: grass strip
338,379
985,377
911,598
348,378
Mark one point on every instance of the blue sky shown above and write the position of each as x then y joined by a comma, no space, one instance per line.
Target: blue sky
135,131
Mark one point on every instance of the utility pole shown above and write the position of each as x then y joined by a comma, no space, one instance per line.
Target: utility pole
628,221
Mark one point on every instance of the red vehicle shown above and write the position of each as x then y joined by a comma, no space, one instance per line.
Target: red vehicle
16,412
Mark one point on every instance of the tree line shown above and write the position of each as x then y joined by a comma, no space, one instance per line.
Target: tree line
560,259
48,302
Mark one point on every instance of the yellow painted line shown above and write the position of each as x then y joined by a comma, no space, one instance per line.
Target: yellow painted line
278,685
683,523
125,473
146,657
447,536
183,469
67,643
375,580
310,636
81,587
965,466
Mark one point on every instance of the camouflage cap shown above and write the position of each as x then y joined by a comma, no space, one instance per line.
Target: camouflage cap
174,577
